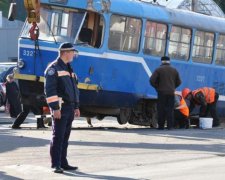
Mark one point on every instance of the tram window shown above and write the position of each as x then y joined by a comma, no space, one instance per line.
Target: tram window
65,24
124,34
155,38
60,23
203,47
220,50
57,24
179,43
91,32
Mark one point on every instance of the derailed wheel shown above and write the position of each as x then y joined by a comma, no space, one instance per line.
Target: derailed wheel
124,116
154,117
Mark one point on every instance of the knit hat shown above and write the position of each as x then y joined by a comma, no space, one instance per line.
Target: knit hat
165,59
67,47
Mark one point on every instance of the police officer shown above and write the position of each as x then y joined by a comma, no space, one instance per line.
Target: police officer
206,98
63,99
165,80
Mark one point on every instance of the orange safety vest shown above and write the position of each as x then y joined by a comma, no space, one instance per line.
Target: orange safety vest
209,94
183,108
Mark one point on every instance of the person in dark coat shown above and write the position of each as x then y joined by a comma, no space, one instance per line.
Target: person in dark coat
13,96
165,80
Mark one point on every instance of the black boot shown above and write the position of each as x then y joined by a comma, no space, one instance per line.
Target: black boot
187,124
40,123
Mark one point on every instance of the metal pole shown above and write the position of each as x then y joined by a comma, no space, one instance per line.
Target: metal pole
194,4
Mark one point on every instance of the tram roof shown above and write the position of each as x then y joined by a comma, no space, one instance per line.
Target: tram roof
158,13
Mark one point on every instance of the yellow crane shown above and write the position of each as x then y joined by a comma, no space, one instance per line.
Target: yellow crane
33,11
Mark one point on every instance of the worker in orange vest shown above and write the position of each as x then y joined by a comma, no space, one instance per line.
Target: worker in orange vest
207,98
181,112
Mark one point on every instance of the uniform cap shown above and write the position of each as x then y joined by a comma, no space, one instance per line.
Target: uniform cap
67,47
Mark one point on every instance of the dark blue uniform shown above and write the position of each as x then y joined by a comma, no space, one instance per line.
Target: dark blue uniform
61,86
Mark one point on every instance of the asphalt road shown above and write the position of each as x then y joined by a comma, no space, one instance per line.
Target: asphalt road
111,151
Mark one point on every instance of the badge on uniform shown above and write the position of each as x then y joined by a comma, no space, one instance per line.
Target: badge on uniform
51,71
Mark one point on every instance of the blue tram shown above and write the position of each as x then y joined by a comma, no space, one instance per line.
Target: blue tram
120,43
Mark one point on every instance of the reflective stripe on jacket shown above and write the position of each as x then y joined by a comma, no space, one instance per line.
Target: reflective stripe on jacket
183,108
61,85
209,94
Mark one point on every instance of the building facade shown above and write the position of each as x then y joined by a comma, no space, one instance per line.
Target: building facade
9,33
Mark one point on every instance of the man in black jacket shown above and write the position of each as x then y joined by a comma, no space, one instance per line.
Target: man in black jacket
165,80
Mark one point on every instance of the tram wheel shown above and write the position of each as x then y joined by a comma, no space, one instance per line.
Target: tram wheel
124,116
121,122
154,119
100,117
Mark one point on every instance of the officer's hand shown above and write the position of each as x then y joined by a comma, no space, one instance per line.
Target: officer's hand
77,113
57,114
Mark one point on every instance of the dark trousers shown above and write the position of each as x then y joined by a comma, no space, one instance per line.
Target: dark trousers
180,120
211,109
61,133
23,115
165,108
14,110
15,107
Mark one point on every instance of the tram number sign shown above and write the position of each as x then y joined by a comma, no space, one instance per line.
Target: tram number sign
28,53
200,78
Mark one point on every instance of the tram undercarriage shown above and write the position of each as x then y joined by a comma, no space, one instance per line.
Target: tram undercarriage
143,114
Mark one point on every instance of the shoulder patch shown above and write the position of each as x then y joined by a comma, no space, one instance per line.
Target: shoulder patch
51,71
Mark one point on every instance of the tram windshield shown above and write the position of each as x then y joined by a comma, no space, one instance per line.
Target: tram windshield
57,24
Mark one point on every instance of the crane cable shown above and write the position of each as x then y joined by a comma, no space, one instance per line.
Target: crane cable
33,16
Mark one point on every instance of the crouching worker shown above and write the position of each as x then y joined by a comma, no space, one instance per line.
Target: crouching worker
181,113
207,99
